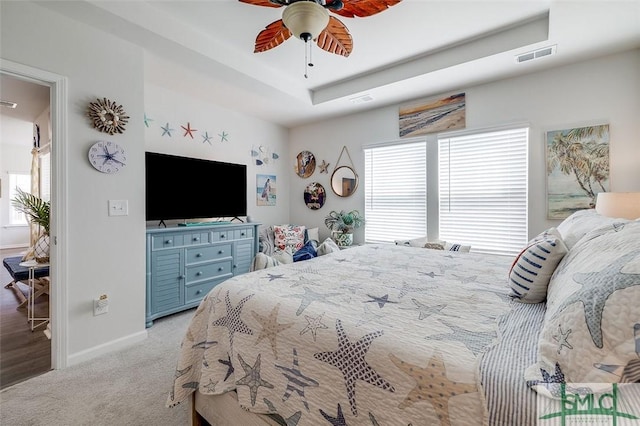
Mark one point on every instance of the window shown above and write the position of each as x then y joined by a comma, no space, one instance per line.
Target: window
395,187
480,198
483,190
22,181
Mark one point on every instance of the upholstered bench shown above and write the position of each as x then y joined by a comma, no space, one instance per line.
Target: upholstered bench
21,273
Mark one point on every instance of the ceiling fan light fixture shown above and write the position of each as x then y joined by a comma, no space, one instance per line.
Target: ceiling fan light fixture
305,19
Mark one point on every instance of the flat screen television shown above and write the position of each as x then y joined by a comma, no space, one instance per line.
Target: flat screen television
190,188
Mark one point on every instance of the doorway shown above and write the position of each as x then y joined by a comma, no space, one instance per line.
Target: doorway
57,304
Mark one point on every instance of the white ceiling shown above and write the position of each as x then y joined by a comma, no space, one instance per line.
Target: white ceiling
413,50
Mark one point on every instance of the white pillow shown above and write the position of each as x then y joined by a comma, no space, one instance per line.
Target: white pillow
313,235
591,325
327,246
262,261
289,236
532,269
573,228
416,242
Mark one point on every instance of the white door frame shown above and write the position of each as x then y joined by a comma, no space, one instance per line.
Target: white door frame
58,301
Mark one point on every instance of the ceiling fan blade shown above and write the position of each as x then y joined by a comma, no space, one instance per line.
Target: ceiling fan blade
362,8
265,3
335,38
272,36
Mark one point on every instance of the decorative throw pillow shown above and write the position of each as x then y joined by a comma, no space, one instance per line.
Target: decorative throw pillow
308,251
312,234
291,236
434,246
456,247
416,242
576,226
283,256
327,246
532,269
262,261
266,240
591,326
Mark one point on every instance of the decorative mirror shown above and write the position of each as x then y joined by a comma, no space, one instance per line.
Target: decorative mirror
305,164
344,179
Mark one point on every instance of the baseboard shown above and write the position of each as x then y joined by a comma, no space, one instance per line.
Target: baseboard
105,348
14,247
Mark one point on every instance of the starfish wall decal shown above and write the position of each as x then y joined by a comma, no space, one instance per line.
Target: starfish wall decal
166,130
188,130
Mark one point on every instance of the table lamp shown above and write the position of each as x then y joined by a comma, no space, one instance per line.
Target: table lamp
619,204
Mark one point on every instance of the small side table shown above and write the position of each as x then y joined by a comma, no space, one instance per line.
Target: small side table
36,322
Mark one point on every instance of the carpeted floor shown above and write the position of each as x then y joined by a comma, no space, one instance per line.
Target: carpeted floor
128,387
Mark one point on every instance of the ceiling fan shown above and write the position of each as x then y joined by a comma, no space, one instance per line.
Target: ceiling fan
310,20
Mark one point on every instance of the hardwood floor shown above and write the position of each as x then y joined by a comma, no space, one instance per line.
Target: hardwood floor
23,353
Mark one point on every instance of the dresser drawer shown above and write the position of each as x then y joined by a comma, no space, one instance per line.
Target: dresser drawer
196,292
167,241
197,238
204,254
222,235
240,234
208,270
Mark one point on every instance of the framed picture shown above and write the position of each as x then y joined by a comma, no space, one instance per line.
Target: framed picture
305,164
577,162
314,195
266,190
431,117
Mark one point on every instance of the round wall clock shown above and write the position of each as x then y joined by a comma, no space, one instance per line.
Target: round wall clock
305,164
314,195
107,156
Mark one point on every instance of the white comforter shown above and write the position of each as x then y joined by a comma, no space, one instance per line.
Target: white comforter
371,335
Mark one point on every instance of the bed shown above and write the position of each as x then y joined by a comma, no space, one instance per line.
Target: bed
394,335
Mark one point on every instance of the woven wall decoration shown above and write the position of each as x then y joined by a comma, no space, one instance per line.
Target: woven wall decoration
107,116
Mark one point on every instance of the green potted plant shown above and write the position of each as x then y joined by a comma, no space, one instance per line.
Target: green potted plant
38,212
342,225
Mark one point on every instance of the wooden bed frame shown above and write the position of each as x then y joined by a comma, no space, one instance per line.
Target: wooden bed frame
224,410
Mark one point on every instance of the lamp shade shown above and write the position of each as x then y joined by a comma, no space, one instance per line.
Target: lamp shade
305,19
624,205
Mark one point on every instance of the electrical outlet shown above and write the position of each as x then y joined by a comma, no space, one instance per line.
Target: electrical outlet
101,305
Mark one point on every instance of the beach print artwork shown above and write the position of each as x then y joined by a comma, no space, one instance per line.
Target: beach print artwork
266,190
577,169
435,116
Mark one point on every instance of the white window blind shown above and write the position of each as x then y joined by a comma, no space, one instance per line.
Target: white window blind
483,190
395,191
45,176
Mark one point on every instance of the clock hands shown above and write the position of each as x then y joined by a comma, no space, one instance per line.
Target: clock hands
109,157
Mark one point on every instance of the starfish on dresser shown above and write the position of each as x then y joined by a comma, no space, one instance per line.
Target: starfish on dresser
349,358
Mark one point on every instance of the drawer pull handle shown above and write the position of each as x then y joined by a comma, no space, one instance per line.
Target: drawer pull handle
181,277
196,239
168,242
198,273
199,255
220,251
199,291
235,266
221,235
221,269
242,233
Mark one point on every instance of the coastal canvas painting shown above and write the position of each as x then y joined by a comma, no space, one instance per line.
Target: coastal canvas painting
443,114
266,190
577,168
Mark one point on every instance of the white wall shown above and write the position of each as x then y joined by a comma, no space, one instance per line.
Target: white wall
15,157
603,90
243,133
102,254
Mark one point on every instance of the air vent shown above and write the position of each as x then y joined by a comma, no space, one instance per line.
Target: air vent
361,99
8,104
540,53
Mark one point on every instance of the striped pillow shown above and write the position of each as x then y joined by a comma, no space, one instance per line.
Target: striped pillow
532,269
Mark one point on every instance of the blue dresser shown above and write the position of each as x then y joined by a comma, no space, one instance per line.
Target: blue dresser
185,262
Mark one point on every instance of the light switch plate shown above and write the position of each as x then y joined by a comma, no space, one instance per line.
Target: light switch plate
118,207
